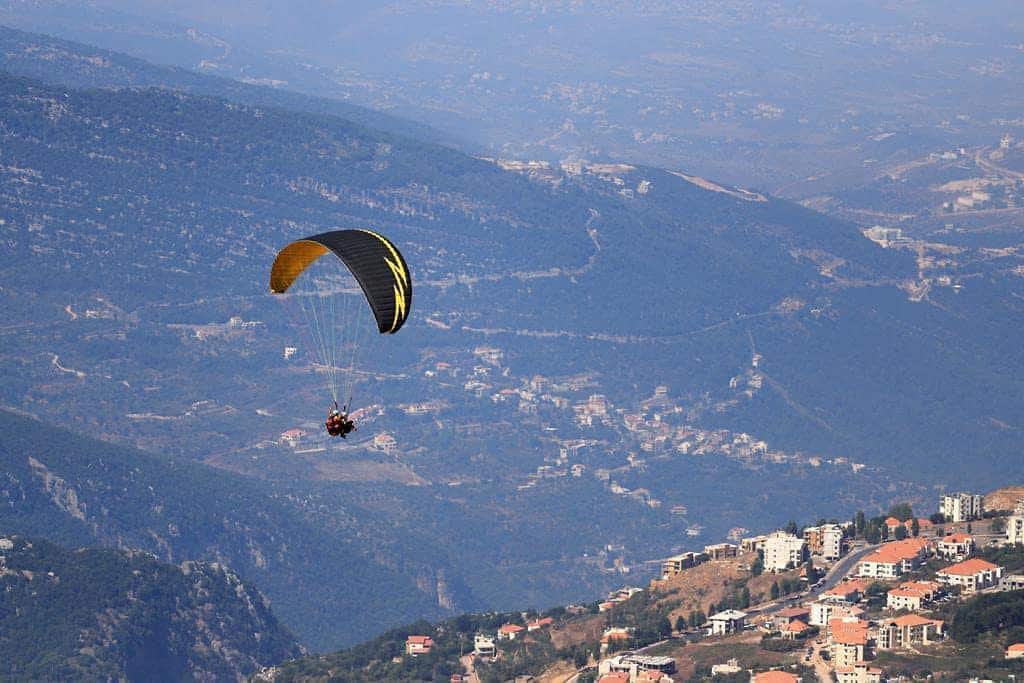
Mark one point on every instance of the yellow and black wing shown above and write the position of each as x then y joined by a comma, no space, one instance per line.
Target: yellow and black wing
375,262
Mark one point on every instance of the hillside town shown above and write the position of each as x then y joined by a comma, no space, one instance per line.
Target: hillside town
846,600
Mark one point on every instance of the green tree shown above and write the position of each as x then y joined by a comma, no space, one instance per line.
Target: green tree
902,511
915,528
775,590
792,528
859,522
745,598
680,623
901,533
757,568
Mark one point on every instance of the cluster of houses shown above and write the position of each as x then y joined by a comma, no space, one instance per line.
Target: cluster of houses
484,645
838,619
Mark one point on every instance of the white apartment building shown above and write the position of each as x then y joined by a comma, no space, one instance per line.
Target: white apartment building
960,507
1015,524
825,540
782,550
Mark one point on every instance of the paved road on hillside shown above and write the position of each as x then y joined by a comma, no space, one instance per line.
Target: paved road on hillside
834,576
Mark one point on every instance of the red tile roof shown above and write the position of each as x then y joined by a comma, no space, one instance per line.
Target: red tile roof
969,567
1016,647
795,626
849,632
892,553
510,628
419,640
775,677
912,620
958,537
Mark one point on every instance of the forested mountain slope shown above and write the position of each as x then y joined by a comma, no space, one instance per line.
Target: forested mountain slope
98,614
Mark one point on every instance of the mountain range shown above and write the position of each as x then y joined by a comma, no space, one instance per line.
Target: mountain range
606,362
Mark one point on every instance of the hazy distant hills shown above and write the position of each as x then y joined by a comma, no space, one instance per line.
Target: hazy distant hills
738,349
681,83
64,62
96,614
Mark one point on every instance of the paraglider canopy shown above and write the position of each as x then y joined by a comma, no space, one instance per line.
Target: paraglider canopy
373,260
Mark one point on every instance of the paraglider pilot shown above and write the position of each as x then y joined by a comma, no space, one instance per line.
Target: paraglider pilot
339,423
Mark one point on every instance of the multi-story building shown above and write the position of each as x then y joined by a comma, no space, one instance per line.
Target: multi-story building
636,664
1012,582
483,645
729,621
971,575
752,544
894,559
912,595
955,547
825,540
783,551
1015,524
960,507
676,564
418,645
848,641
911,629
860,672
720,551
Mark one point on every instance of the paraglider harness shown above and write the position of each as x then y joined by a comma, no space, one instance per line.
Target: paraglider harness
338,422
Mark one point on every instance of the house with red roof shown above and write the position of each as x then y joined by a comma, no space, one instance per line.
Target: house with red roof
790,614
891,523
955,547
924,526
893,560
509,631
537,624
774,677
848,641
418,645
292,437
859,672
794,629
971,575
616,633
912,595
1015,651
